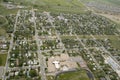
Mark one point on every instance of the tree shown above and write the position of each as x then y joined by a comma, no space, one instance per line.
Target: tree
0,61
5,0
33,73
51,53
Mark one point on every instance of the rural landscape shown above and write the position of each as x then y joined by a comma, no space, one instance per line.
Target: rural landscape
59,39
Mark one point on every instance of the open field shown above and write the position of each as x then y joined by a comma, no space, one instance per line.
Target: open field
109,2
78,75
50,77
3,59
2,32
71,6
4,11
68,37
3,21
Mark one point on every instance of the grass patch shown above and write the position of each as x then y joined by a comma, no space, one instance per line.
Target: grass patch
68,37
2,32
84,36
115,43
77,75
3,58
3,21
111,37
50,77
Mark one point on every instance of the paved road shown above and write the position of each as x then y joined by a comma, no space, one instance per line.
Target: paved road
40,56
56,32
11,45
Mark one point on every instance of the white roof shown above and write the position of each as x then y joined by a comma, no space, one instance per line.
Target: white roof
56,64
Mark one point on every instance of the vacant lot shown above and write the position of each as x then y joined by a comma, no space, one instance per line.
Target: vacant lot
3,21
3,59
2,32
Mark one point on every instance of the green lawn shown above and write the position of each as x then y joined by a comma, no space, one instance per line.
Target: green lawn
50,77
115,43
78,75
2,20
2,32
68,37
3,59
84,36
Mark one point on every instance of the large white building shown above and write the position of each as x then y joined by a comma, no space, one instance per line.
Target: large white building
57,65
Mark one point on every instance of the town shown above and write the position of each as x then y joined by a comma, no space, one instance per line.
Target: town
43,45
